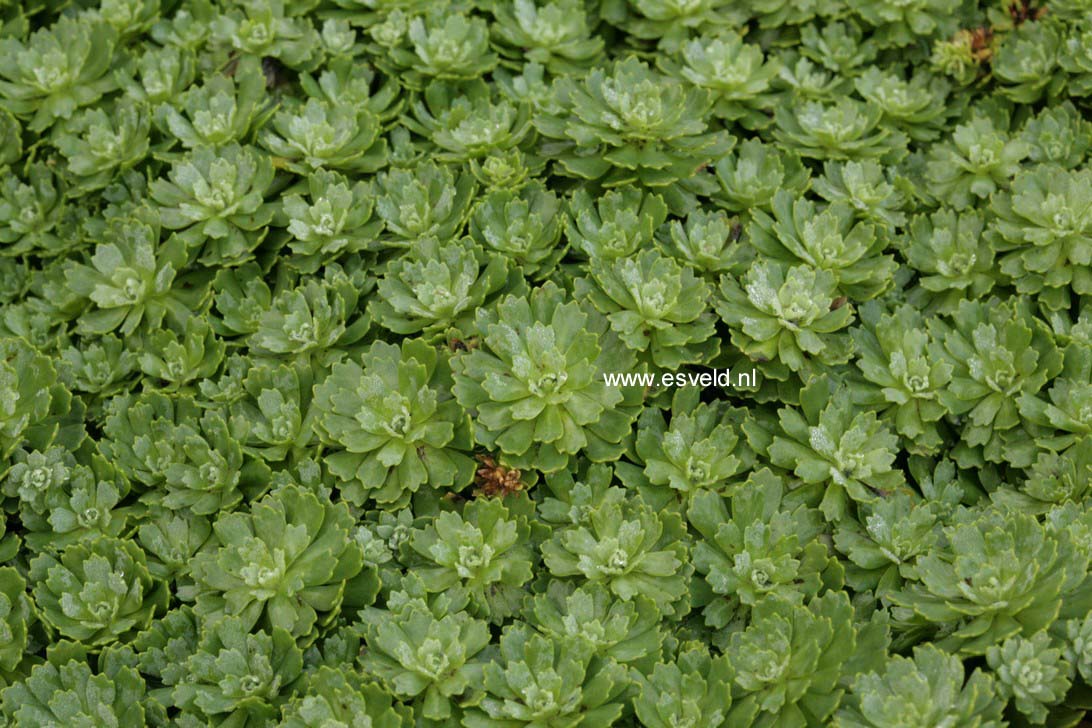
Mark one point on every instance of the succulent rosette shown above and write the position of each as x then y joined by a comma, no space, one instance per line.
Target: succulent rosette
545,363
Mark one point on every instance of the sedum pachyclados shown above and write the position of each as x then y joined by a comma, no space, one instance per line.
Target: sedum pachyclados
429,654
70,692
222,110
341,695
15,616
735,72
542,682
523,226
466,123
630,123
841,129
754,173
899,375
953,255
57,70
535,386
215,198
1031,673
335,343
439,45
482,551
32,214
434,290
238,677
626,546
791,659
286,563
616,224
97,591
1044,233
757,547
833,442
328,217
789,318
927,690
554,34
321,135
998,354
430,201
26,380
101,144
978,160
707,241
692,690
655,306
625,631
133,281
829,240
883,546
999,574
397,422
696,448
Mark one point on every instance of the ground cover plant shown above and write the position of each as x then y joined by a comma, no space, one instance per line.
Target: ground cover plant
351,358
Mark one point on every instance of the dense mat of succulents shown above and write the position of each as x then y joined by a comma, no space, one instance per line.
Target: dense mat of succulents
305,312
